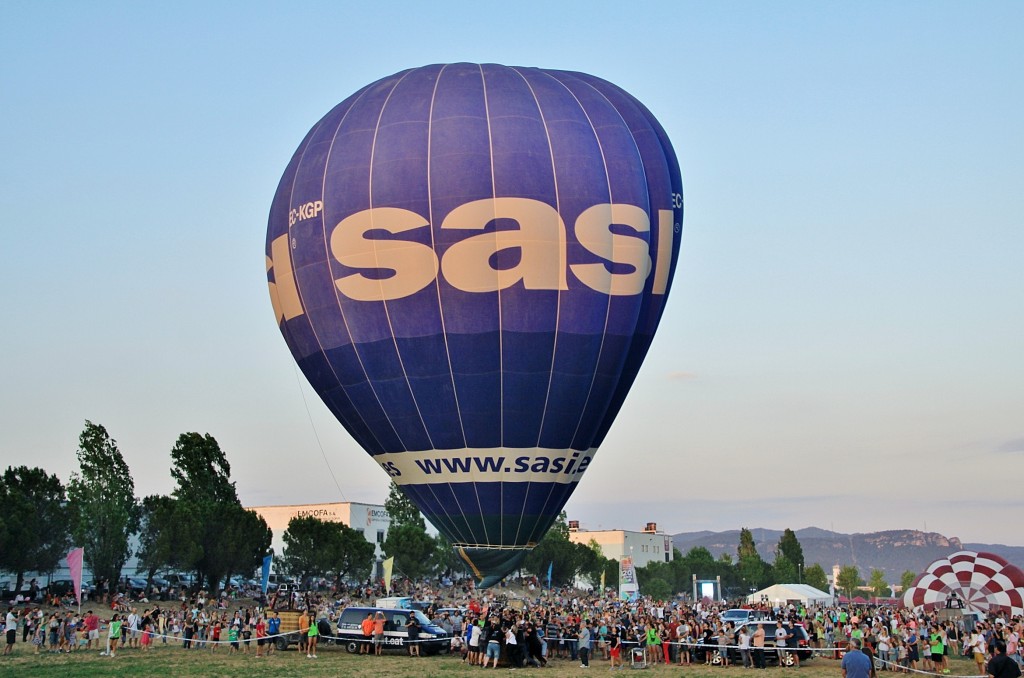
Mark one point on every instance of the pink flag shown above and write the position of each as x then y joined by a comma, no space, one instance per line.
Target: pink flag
75,566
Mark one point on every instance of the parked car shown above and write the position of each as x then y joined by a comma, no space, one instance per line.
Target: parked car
180,581
7,591
136,585
739,616
63,587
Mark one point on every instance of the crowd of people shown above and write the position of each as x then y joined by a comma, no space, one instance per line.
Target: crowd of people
525,625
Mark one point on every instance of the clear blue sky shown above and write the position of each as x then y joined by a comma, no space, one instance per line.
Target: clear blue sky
843,344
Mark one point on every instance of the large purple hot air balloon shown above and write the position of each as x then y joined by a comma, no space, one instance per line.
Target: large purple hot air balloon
468,262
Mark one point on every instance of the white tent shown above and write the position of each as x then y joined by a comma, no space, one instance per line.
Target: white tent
780,594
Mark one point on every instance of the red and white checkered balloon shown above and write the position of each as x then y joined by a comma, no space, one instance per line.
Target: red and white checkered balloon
984,582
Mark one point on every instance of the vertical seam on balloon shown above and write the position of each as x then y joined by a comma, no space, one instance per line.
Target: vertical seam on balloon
597,361
327,255
558,310
501,353
337,292
387,311
645,123
611,200
440,310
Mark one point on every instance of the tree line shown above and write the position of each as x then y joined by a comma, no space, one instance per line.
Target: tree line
749,572
200,527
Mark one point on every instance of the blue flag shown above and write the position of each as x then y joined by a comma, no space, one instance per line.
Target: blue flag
266,572
550,566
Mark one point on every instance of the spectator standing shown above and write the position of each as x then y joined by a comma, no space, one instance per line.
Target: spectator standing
273,629
745,647
856,664
413,630
1001,666
10,630
313,635
367,628
378,633
758,642
583,647
113,635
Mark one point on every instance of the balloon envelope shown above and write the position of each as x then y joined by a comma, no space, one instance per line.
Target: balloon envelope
468,262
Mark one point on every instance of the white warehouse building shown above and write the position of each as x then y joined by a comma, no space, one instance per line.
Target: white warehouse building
371,519
645,546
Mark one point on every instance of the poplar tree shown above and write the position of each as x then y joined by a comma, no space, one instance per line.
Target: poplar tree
102,503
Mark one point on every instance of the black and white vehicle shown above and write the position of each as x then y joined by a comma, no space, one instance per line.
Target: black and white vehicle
433,639
801,647
739,616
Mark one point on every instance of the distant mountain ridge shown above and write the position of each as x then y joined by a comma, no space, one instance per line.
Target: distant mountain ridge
892,551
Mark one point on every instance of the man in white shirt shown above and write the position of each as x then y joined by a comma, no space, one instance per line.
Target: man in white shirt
133,628
11,629
745,646
780,642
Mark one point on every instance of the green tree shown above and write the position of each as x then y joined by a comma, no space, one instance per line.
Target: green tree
907,580
204,485
446,559
593,563
784,571
353,557
309,544
699,556
102,503
315,547
411,547
815,576
879,587
566,558
36,534
789,546
657,588
750,567
747,547
849,580
166,530
246,541
401,510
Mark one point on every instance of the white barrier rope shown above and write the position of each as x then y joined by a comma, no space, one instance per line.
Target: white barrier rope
898,668
196,640
689,644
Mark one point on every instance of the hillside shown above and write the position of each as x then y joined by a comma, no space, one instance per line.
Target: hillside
892,551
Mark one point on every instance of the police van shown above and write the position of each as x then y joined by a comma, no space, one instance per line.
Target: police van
432,639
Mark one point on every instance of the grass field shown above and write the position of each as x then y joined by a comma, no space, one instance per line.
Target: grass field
172,662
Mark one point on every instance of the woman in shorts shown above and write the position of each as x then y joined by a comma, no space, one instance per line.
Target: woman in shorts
311,637
261,635
614,648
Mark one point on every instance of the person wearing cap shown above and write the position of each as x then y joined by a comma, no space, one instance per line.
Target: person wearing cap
856,664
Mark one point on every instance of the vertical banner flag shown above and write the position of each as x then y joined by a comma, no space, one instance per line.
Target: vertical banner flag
550,566
602,582
266,572
75,566
389,566
628,587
